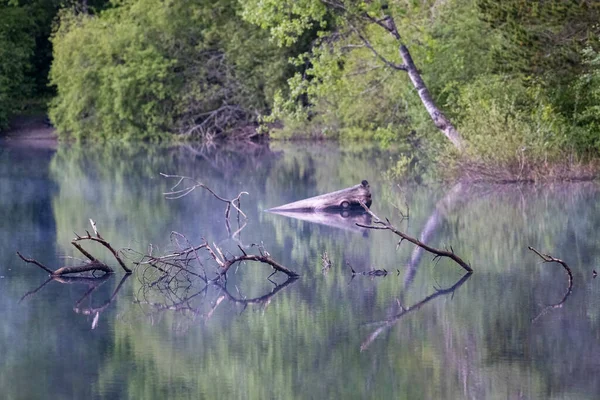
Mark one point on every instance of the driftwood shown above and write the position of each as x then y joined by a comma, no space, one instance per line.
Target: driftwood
181,280
386,225
548,258
326,262
345,199
92,266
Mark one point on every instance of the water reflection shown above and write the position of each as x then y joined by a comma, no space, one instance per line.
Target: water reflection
347,219
476,342
92,283
391,321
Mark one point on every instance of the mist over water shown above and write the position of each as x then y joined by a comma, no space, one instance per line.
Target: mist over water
420,332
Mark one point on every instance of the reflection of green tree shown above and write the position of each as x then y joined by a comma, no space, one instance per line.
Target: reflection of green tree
478,343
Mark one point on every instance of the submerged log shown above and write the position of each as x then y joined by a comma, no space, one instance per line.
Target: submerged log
345,199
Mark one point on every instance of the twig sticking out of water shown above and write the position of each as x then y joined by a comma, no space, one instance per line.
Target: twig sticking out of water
548,258
371,272
386,225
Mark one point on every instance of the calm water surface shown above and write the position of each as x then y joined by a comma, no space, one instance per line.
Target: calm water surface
325,335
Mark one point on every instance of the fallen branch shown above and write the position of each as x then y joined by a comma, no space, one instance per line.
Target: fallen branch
190,260
386,225
548,258
92,266
264,258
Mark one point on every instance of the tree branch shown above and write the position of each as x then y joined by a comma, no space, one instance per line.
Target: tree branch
438,253
548,258
399,67
93,265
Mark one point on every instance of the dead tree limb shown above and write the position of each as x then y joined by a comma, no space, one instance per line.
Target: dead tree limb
259,258
548,258
192,260
386,225
92,266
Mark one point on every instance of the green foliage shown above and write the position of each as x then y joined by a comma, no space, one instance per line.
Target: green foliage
549,46
587,114
16,49
505,121
147,67
346,91
519,79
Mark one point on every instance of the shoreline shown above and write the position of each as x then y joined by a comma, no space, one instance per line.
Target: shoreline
30,131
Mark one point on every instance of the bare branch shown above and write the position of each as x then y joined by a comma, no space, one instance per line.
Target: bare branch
438,253
32,261
93,265
548,258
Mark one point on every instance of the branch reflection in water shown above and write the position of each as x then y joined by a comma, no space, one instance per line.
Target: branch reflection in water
546,258
93,283
182,279
190,303
389,322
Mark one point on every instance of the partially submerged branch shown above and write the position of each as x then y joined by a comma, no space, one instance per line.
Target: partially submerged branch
92,266
372,272
386,225
194,261
548,258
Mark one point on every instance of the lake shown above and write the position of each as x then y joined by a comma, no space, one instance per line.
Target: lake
424,331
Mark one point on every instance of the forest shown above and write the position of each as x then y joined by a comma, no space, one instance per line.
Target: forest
486,86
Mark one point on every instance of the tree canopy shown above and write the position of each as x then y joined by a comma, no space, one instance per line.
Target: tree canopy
516,78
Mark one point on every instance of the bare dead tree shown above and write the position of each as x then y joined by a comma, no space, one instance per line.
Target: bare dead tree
547,259
386,225
93,265
359,22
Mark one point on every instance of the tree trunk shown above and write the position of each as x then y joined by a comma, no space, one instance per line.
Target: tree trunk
439,119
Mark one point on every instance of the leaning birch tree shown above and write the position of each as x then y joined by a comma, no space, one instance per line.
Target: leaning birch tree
289,20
